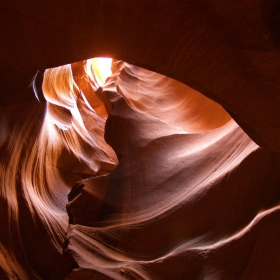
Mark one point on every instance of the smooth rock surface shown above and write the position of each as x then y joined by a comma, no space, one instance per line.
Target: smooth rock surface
193,197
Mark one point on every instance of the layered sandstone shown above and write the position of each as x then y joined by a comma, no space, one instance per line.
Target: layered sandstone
195,192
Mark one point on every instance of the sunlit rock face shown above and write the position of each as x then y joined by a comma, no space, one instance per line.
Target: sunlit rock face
180,205
186,198
178,190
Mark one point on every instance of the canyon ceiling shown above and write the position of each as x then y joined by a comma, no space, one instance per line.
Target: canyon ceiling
186,185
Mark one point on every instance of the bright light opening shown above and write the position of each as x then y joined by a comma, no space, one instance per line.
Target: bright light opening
102,68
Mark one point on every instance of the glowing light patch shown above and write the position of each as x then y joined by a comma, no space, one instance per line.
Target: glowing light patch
102,68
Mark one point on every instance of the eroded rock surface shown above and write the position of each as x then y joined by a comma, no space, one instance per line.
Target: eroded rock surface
191,197
212,187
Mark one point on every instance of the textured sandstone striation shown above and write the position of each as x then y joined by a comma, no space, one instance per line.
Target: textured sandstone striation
133,235
190,193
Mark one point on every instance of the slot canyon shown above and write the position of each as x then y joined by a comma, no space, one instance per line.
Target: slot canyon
168,167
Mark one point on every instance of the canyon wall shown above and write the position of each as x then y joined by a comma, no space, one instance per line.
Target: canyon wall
195,192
